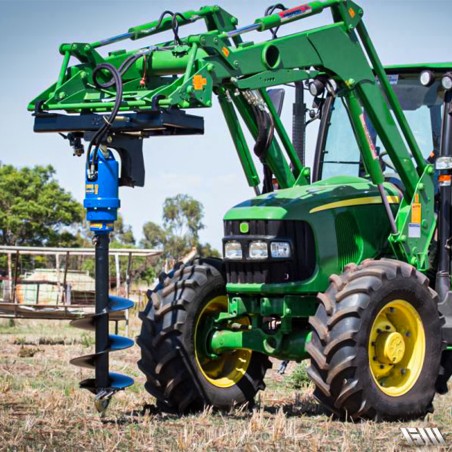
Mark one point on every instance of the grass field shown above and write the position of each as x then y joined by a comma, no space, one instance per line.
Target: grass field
41,407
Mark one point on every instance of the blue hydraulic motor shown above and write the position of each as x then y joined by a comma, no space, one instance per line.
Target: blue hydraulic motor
102,203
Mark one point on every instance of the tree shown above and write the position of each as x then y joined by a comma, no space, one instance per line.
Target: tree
122,235
182,216
34,209
182,221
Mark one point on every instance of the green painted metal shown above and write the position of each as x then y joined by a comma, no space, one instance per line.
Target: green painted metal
287,143
370,157
417,68
392,98
412,242
301,203
275,158
213,57
278,345
187,74
238,138
285,343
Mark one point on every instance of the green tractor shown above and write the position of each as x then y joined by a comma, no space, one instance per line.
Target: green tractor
346,264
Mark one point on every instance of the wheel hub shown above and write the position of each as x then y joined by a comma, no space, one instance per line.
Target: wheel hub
396,347
390,347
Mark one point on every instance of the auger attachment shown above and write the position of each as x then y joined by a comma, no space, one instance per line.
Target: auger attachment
102,203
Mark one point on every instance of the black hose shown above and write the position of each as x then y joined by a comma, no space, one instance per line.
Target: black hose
269,11
174,23
125,66
266,128
97,138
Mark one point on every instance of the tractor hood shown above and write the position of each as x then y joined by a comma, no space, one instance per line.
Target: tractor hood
299,202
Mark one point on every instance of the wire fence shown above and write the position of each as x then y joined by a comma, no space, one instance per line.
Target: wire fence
64,287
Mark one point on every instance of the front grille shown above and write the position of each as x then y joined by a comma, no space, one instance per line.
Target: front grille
297,268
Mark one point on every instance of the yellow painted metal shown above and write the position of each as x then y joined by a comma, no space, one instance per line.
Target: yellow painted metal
396,348
230,367
355,202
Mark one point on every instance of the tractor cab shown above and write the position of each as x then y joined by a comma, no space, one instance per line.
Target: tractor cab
421,99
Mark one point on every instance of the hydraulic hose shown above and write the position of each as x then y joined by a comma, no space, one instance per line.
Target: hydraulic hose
102,131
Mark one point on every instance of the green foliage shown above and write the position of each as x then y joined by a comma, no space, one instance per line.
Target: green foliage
34,209
299,378
122,236
154,235
182,221
206,250
182,216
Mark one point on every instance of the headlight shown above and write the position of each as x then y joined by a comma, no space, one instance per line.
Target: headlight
446,81
233,250
427,78
280,249
258,250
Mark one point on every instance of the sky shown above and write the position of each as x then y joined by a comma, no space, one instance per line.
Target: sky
205,167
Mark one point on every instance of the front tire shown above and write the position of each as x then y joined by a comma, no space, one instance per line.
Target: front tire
180,372
376,343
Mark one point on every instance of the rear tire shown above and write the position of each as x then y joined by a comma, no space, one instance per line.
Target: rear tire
376,343
173,342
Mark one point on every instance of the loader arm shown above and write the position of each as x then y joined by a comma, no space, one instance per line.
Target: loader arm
114,101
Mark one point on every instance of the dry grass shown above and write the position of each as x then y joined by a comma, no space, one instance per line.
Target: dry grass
41,408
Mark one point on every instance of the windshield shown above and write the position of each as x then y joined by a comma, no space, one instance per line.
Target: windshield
423,109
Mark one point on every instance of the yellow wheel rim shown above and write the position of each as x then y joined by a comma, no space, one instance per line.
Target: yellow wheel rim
229,368
396,348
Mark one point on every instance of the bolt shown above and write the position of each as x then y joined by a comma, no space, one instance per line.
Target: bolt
215,40
236,63
373,344
374,358
378,330
403,371
407,334
382,366
391,309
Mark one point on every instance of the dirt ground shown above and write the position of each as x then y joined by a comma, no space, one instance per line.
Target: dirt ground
41,407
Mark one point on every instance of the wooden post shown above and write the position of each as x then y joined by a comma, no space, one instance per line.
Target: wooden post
57,264
10,279
118,274
66,265
16,275
129,265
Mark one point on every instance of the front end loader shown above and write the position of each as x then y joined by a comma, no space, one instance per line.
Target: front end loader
346,264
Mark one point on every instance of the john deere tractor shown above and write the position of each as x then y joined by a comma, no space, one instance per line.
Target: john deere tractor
346,264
